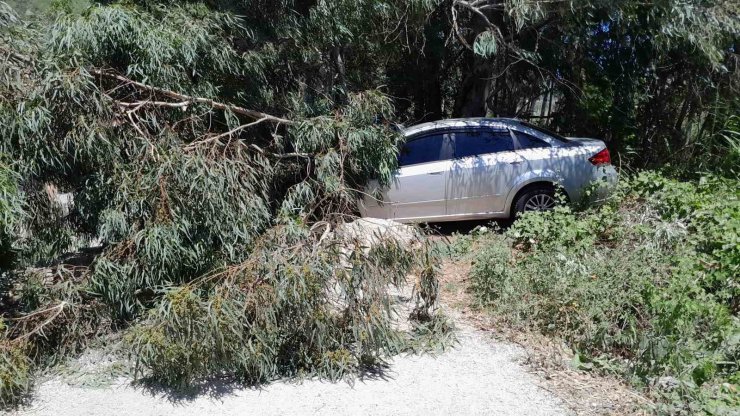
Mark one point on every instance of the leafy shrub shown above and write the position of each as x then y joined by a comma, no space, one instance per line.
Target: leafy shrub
645,287
711,210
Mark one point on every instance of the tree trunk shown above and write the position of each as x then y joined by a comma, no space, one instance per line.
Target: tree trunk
471,97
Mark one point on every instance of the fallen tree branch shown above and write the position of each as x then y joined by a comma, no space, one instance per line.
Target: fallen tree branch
58,309
184,100
281,155
139,104
474,8
222,135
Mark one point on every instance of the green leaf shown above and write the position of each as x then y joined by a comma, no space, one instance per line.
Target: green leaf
485,44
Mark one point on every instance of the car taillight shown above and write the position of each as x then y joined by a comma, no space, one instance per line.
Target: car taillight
601,158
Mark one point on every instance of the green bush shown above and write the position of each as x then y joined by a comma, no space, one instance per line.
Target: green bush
711,210
645,286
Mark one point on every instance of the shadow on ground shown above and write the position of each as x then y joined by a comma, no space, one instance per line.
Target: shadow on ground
221,386
446,229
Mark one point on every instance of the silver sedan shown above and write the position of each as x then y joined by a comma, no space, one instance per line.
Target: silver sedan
481,168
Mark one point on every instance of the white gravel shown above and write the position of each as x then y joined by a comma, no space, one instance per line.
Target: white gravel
478,377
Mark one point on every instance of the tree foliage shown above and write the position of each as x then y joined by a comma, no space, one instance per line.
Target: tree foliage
657,80
196,214
153,152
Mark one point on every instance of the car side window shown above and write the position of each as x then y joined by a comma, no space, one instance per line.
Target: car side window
527,141
480,142
429,148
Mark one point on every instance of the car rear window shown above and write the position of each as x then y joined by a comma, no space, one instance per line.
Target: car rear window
480,142
527,141
425,149
545,131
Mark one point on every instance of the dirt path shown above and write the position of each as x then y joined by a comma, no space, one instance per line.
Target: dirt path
479,377
482,375
584,393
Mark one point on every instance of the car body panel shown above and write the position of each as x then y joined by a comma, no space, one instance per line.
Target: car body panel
419,191
477,183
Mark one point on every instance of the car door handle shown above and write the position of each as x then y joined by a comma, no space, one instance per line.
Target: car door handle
516,162
436,173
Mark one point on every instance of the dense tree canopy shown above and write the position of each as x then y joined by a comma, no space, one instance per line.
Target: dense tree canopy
195,152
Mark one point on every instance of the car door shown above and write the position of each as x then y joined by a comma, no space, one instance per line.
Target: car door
537,155
418,190
484,169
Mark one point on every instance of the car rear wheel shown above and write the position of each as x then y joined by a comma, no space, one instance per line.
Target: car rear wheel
536,199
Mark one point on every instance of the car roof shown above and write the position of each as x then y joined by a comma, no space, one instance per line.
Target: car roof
459,122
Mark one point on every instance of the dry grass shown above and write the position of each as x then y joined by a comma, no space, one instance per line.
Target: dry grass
585,393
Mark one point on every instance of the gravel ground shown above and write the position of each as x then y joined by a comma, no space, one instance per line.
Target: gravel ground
478,377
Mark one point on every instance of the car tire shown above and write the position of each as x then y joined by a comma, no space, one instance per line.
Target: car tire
540,198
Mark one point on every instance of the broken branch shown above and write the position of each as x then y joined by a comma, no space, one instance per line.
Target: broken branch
222,135
184,99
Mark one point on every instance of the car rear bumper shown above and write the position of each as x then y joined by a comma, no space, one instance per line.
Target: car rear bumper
604,183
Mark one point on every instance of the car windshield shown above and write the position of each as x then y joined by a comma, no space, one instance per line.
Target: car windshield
545,131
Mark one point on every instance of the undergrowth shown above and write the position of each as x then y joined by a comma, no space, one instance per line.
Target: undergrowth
645,286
